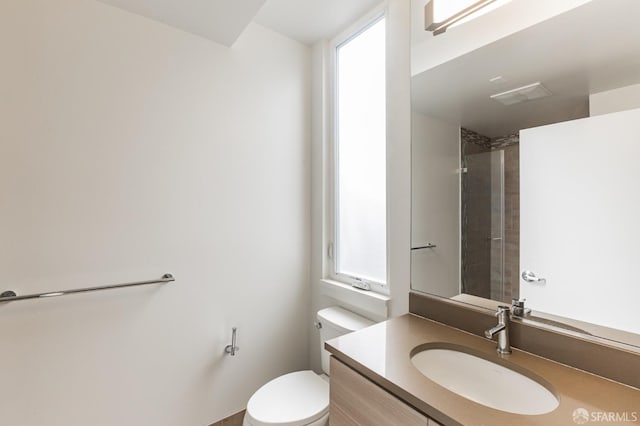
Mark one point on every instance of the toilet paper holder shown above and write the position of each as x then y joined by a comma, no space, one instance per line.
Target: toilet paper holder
232,348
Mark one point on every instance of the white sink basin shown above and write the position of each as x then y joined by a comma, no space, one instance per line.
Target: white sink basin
484,382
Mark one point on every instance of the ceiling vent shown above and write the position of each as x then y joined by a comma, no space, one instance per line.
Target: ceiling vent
522,94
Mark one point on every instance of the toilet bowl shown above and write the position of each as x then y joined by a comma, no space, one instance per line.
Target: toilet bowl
302,398
295,399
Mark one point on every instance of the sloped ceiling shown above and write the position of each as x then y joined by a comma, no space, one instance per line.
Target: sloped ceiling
311,20
219,20
222,21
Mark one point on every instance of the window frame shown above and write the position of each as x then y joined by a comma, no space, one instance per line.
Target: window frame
331,156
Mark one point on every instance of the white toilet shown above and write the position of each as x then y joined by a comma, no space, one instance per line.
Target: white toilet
302,398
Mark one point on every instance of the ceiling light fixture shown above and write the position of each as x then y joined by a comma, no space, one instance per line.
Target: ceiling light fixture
442,14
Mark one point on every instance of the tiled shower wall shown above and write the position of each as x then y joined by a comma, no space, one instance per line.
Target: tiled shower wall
512,221
476,191
476,269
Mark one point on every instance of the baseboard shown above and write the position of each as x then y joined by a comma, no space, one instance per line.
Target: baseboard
233,420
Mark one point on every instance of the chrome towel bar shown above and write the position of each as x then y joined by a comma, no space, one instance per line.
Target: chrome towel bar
10,296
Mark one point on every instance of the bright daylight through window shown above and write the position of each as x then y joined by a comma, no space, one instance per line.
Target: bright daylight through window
361,198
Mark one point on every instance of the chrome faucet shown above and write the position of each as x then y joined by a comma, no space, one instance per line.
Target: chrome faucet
518,309
502,330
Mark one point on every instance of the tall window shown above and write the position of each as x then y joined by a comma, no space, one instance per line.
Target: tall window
360,190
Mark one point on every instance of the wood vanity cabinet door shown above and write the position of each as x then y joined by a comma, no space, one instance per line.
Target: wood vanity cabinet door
354,400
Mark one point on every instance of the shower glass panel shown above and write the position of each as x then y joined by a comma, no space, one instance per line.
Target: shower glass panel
483,225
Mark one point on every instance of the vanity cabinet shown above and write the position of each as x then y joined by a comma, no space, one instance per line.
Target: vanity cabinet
355,400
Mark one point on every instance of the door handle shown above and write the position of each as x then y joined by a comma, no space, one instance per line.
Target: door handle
530,277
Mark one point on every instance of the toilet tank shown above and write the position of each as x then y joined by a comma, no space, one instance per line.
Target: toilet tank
334,322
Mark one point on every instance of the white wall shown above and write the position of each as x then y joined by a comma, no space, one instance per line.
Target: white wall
399,154
579,218
615,100
129,149
318,140
435,207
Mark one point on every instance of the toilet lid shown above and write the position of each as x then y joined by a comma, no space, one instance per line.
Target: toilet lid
294,399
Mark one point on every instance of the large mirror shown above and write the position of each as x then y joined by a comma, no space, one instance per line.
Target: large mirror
525,139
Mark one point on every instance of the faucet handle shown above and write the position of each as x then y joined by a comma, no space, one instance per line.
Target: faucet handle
503,309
